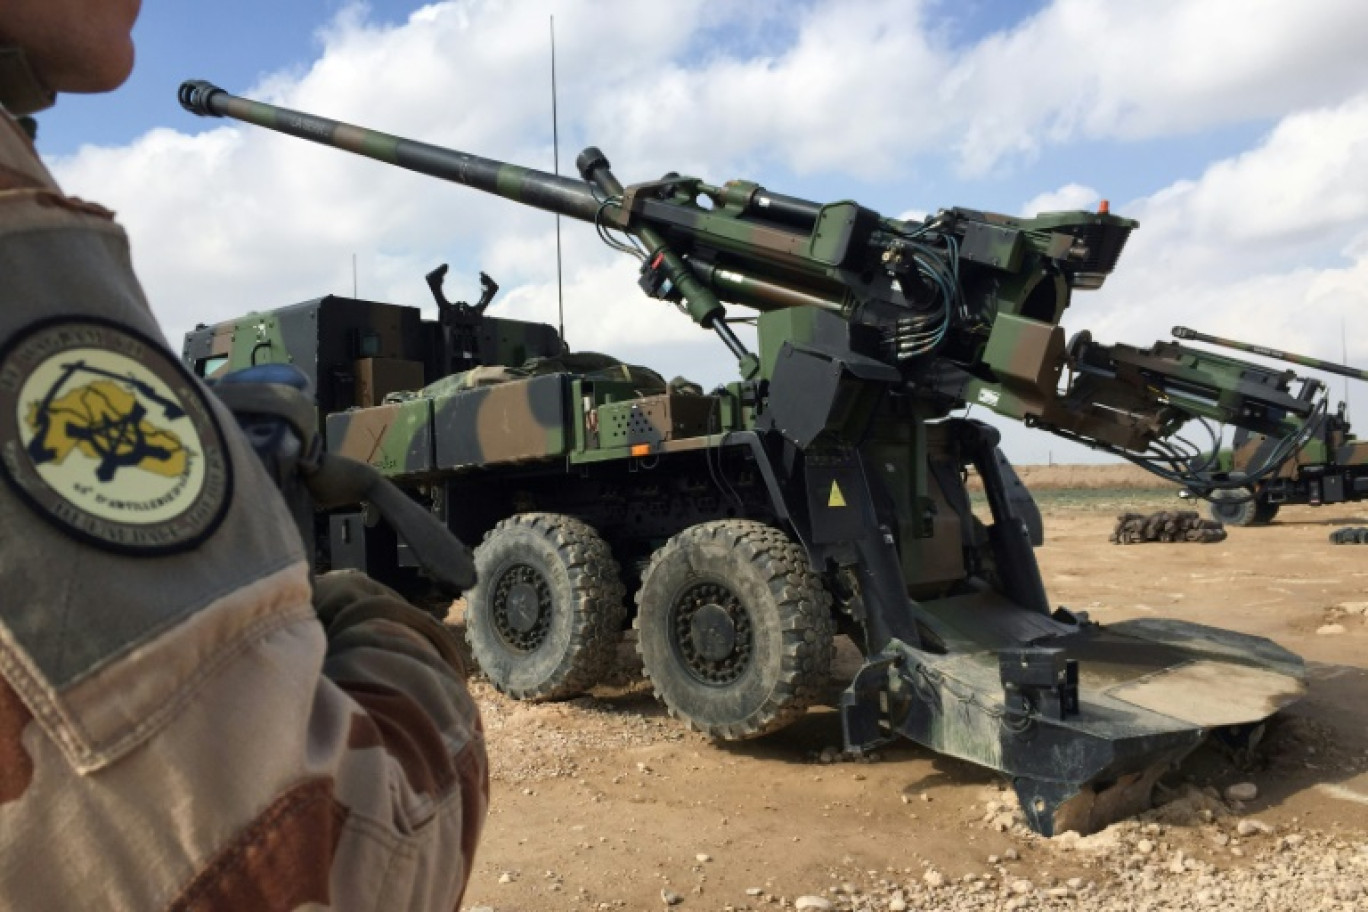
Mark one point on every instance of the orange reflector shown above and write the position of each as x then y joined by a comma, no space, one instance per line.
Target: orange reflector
1104,207
641,449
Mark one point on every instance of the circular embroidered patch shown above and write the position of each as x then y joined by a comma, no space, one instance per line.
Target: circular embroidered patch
108,437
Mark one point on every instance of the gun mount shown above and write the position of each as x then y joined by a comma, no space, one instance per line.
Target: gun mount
822,491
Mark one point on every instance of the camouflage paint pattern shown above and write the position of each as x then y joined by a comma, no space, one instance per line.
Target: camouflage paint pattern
1329,468
1126,396
768,250
524,185
333,330
1027,357
1340,451
510,422
652,420
397,439
1175,681
199,729
1182,332
316,336
378,377
456,426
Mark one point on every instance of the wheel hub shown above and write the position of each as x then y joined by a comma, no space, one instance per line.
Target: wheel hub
713,633
521,608
711,630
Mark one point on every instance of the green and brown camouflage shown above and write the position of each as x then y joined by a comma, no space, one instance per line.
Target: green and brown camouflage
520,420
1335,446
1127,397
1013,280
1010,282
738,241
836,465
1354,373
1329,465
356,352
395,438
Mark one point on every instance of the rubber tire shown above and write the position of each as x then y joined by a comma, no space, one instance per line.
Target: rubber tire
1224,510
587,608
1265,512
790,618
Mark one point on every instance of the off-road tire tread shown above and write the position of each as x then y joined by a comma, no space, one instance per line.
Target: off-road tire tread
805,617
598,595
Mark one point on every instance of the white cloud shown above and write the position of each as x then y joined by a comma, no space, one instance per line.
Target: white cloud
1299,190
1066,198
868,86
1268,244
1147,68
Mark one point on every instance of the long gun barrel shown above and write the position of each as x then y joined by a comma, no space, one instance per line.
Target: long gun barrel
523,185
932,286
1330,367
595,199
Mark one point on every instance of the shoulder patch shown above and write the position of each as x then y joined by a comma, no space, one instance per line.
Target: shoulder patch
108,437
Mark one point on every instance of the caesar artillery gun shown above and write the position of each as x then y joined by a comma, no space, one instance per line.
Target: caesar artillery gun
823,490
1329,466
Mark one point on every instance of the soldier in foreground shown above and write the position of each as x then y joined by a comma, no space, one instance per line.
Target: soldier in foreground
177,728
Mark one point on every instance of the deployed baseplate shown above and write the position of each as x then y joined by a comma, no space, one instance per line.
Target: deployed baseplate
1082,717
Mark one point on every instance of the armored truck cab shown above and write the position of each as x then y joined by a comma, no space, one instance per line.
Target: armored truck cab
356,353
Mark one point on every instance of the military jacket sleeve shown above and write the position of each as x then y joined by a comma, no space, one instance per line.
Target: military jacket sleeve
177,730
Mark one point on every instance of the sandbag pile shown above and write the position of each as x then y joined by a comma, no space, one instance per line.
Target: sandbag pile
1350,535
1166,526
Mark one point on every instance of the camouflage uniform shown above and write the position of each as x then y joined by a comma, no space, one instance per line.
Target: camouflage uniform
177,729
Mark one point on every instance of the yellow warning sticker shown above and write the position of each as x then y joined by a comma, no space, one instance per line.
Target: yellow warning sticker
837,499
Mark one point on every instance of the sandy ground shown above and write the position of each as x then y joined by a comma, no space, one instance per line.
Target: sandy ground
606,803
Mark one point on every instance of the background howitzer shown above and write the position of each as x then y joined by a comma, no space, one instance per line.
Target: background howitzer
821,492
1330,367
1327,466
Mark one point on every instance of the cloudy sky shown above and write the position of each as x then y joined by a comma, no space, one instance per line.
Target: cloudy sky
1235,131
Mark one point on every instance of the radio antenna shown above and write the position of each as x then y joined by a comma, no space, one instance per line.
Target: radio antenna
555,155
1344,359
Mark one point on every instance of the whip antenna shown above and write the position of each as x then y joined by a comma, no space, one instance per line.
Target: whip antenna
555,157
1344,358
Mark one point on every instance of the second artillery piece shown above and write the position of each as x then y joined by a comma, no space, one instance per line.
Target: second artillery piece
1330,467
822,491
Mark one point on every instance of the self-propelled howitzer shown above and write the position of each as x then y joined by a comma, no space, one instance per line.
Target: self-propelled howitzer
823,491
1329,466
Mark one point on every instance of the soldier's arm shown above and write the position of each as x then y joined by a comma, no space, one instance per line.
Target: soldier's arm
405,670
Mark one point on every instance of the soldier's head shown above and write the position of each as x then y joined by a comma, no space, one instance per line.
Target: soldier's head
72,45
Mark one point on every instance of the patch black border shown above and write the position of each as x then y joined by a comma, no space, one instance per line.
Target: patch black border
23,335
